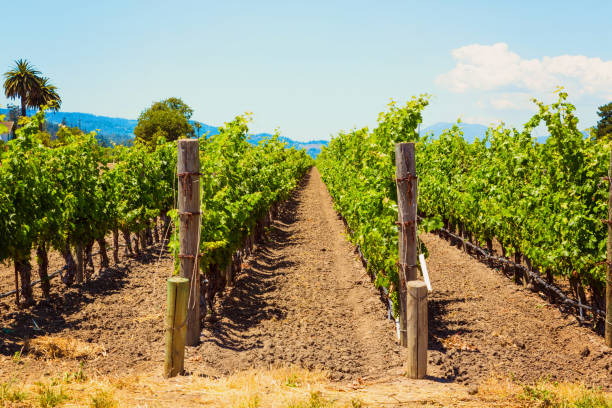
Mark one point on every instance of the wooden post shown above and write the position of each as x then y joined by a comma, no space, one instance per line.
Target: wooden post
176,325
406,182
608,321
189,219
417,330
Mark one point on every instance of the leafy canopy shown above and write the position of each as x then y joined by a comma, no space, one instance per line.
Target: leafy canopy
603,130
25,82
167,119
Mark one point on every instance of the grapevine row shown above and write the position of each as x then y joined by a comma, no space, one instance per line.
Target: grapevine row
541,202
242,186
71,195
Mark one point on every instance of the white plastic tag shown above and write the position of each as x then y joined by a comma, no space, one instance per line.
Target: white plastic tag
424,270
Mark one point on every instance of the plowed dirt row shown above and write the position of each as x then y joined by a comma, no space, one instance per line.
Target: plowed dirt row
304,299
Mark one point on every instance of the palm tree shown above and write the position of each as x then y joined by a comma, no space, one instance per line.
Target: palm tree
45,94
21,81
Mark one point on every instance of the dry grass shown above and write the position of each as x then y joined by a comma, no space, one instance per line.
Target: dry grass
149,317
544,394
298,388
62,347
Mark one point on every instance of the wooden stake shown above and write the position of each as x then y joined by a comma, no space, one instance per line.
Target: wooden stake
608,321
189,219
417,330
176,325
406,182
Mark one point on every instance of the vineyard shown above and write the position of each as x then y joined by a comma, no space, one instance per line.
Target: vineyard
71,195
281,288
542,204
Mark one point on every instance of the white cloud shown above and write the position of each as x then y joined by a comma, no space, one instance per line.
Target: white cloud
481,119
495,67
511,100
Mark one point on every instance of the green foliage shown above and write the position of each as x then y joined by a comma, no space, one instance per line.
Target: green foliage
3,129
76,376
358,168
50,395
23,188
25,82
68,195
603,130
292,381
8,393
67,134
76,191
553,396
167,119
17,357
239,183
544,201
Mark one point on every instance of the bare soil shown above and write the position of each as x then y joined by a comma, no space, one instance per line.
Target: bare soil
304,299
481,323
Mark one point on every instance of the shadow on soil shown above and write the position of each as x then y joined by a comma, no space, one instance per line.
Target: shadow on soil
248,302
440,325
50,316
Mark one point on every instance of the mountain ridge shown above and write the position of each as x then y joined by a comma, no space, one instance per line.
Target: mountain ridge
121,130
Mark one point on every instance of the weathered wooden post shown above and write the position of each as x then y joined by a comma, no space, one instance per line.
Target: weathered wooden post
176,325
417,329
406,182
608,318
189,218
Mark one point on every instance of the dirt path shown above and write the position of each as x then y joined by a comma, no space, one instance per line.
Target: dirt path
304,299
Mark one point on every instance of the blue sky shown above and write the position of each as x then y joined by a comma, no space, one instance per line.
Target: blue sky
314,68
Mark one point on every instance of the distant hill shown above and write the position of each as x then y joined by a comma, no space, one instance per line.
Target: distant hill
472,130
121,131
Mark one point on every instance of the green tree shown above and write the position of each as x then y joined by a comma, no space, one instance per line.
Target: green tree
24,82
604,126
168,119
45,95
20,81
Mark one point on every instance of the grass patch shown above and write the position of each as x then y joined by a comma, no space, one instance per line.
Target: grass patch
565,395
50,395
103,399
9,394
292,381
252,402
77,376
17,357
544,393
316,400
